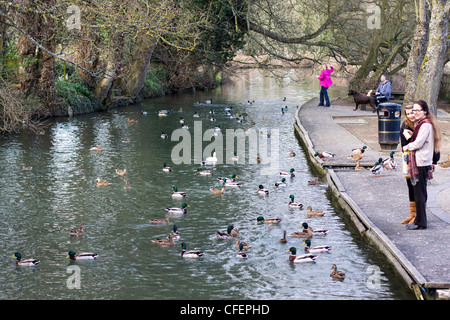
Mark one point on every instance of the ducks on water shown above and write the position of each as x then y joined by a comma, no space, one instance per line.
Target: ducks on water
283,240
78,232
81,256
315,213
306,233
175,233
160,221
166,168
282,183
288,174
98,148
235,157
25,262
291,153
177,194
26,168
225,179
164,242
202,172
317,249
262,191
164,135
101,183
272,220
127,185
193,254
244,245
313,182
230,233
293,204
230,183
217,191
121,172
300,259
241,254
211,159
336,273
175,210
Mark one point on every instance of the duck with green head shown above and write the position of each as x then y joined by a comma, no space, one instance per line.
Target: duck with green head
25,262
241,254
262,191
302,258
293,204
81,256
192,254
175,210
306,233
282,183
271,220
177,194
288,174
316,249
230,233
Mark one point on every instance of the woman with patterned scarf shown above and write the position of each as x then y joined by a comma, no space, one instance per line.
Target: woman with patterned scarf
423,146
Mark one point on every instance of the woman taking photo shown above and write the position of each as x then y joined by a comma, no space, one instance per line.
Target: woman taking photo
424,143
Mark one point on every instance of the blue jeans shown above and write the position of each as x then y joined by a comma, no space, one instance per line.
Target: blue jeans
324,95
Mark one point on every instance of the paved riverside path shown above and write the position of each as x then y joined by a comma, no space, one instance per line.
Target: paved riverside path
381,203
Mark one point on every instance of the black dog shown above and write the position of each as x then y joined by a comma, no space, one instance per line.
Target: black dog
363,99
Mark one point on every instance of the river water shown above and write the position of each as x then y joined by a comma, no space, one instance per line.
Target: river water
40,207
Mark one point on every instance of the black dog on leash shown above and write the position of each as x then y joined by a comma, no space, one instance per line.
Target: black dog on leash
363,99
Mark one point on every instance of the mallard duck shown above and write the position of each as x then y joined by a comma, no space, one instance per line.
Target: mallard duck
235,156
258,158
164,242
26,168
184,126
293,204
98,148
244,245
283,240
101,183
324,155
177,194
392,164
166,168
282,183
196,115
241,254
81,256
319,232
26,262
182,210
126,140
230,233
127,185
231,184
163,113
164,135
225,179
313,182
357,154
143,112
175,233
131,120
217,128
272,220
377,169
306,233
445,164
336,274
78,232
217,191
303,258
208,101
288,174
315,213
212,159
202,172
262,191
160,221
182,121
121,172
291,153
189,254
317,249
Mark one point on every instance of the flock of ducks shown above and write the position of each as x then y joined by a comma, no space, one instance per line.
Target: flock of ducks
231,232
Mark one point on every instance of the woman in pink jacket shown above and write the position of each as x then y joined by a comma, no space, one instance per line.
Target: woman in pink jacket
325,83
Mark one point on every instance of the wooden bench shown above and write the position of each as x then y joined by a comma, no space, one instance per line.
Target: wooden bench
396,97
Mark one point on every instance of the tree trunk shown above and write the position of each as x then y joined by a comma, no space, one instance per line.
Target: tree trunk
87,54
417,52
139,65
432,67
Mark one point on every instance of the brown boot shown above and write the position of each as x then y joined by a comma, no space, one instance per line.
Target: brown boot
412,210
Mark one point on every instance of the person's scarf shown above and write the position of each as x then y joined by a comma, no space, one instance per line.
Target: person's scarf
413,169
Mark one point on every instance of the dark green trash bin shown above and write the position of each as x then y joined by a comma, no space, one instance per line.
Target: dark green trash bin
389,121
